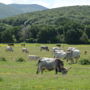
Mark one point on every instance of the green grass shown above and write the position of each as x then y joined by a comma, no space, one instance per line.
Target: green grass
22,75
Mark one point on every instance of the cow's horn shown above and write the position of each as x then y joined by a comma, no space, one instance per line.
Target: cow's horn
69,68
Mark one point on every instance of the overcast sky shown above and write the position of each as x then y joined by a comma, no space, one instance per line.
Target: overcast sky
49,3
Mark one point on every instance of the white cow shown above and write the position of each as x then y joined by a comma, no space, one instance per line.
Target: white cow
71,48
33,57
59,54
25,50
51,64
55,48
9,48
73,54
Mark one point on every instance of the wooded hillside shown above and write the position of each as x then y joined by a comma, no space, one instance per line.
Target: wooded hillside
66,24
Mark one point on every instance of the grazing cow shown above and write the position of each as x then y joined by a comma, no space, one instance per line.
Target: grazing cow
55,49
58,45
11,44
33,57
9,48
51,64
23,45
44,48
71,48
25,50
73,54
85,52
59,54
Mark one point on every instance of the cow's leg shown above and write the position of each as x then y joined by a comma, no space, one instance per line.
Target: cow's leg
72,61
41,71
76,59
67,60
56,71
38,70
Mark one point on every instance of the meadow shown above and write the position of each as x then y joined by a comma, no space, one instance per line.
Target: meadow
22,75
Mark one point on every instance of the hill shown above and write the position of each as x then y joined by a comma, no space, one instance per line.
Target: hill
28,7
6,11
65,24
15,9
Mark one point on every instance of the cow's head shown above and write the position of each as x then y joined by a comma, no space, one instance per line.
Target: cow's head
65,70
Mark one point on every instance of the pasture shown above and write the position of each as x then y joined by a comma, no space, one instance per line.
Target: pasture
22,75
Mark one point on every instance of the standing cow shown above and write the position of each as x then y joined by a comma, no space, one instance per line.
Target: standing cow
9,48
11,44
44,48
72,55
51,64
25,50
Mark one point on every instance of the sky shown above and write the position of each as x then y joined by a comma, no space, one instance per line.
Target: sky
49,3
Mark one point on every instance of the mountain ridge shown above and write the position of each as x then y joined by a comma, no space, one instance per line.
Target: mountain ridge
7,10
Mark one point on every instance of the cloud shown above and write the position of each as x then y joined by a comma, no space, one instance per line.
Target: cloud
6,1
61,3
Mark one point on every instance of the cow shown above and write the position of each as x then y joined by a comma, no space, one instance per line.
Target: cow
51,64
72,55
55,49
59,54
25,50
58,45
11,44
9,48
44,48
23,45
33,57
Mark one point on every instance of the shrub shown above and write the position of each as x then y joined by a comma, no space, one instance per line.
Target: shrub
1,79
84,62
3,59
20,60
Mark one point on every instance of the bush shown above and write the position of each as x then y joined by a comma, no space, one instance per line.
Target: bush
20,60
1,79
84,62
3,59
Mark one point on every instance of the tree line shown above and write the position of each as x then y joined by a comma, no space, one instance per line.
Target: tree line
73,33
62,25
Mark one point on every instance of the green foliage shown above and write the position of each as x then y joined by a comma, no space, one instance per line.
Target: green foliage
84,62
60,25
84,38
72,36
20,60
3,59
1,79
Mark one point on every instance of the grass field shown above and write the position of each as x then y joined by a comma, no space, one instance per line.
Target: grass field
22,75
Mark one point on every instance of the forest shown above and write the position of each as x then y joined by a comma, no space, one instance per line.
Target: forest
60,25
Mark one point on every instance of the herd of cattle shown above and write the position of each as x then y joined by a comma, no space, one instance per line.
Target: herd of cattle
71,55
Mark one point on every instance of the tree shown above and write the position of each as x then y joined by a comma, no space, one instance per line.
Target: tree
84,38
73,36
